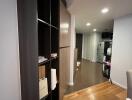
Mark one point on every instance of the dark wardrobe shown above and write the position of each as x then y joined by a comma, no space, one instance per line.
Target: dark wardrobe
39,23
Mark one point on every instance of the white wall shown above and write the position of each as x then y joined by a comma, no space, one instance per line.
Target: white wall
84,46
121,50
90,42
72,47
9,55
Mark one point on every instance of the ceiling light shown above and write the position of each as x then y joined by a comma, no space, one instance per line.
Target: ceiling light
88,24
105,10
94,30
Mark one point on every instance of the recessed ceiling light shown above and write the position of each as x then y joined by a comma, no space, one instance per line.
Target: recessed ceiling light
88,24
105,10
94,30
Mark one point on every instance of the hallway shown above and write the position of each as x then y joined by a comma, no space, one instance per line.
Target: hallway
88,74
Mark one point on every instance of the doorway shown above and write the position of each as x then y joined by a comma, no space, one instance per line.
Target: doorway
79,38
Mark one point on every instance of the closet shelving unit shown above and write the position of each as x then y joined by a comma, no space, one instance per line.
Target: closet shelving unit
38,26
48,41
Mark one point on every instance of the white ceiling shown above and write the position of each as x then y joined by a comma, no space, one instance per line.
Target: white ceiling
90,11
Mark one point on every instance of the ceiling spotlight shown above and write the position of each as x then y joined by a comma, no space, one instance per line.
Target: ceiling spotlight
88,24
105,10
94,30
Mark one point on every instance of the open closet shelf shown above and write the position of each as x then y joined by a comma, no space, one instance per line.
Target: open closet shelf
39,42
47,61
44,98
48,47
42,21
44,62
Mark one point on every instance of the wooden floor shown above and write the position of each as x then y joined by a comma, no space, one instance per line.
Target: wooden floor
103,91
88,74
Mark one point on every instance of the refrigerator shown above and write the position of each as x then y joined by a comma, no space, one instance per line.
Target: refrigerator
100,52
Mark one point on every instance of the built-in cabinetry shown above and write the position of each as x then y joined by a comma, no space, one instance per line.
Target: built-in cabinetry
64,26
44,40
64,45
39,38
48,46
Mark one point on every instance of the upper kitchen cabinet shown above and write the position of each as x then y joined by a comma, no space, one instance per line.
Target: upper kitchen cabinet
64,26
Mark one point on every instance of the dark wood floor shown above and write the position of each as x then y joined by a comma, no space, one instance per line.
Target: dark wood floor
88,74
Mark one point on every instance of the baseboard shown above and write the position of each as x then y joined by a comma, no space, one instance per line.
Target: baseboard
93,61
118,84
70,83
85,59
